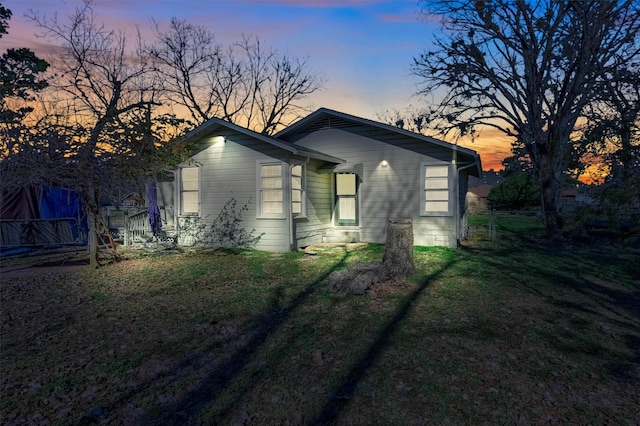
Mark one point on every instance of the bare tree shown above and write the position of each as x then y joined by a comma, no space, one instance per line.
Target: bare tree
409,118
613,130
244,83
527,68
101,83
612,142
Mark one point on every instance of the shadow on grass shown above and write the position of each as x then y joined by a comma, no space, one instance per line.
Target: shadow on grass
557,274
217,380
343,393
623,370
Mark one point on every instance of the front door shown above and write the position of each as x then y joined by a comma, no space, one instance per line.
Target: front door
346,190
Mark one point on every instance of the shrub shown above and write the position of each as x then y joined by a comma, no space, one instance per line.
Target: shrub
519,190
226,230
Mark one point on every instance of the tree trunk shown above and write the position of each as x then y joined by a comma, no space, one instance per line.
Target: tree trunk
398,250
397,262
91,207
552,218
550,193
93,240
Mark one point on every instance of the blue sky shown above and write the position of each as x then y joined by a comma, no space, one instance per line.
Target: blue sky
362,48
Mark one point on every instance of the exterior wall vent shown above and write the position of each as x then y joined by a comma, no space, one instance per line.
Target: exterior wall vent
330,122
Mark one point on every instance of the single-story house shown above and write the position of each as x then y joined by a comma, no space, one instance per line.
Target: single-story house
330,177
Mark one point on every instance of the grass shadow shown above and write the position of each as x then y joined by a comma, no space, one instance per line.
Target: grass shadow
217,380
340,396
594,302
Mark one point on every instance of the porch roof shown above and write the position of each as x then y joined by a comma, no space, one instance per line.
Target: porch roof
356,168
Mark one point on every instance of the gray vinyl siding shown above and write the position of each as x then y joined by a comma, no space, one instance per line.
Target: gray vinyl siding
433,151
311,228
228,170
388,192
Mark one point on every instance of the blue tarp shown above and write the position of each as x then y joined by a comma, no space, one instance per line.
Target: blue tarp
41,216
55,203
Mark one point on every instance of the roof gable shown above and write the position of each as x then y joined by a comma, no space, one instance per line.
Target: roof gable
325,118
213,124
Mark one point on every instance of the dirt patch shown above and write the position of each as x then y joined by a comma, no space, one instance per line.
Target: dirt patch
40,270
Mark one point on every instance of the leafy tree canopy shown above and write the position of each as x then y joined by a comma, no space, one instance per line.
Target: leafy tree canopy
20,75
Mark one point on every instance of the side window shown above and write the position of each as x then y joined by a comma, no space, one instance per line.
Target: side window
270,191
436,198
189,191
297,191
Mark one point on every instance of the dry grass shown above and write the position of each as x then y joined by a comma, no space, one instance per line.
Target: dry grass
493,334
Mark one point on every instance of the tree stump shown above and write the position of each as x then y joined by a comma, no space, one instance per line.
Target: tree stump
358,278
397,262
398,250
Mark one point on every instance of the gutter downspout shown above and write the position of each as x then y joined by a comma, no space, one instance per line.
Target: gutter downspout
457,183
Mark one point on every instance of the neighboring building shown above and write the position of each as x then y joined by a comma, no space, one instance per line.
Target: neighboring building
569,197
330,177
116,215
478,197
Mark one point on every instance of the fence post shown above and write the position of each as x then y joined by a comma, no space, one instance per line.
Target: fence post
126,228
492,225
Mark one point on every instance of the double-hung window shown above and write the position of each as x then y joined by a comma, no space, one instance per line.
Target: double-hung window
436,186
346,190
297,191
189,191
271,190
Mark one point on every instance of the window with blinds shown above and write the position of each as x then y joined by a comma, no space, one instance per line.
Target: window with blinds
297,191
437,198
271,190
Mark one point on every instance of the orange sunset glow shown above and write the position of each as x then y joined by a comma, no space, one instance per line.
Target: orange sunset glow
362,49
493,147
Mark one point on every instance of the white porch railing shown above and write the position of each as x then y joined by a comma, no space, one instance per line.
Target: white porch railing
138,230
138,227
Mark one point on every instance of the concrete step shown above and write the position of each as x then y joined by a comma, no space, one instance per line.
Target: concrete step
339,236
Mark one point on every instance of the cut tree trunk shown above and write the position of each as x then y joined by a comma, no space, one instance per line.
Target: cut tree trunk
358,278
398,250
397,262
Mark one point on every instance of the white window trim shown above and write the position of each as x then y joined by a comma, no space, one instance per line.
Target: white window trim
285,188
303,191
181,192
423,211
358,197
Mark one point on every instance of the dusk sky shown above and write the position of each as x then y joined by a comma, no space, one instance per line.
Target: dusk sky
362,48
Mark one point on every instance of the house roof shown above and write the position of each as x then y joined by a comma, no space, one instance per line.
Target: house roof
318,120
340,119
481,191
215,123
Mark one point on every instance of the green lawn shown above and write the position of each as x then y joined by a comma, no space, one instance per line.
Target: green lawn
506,224
494,333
